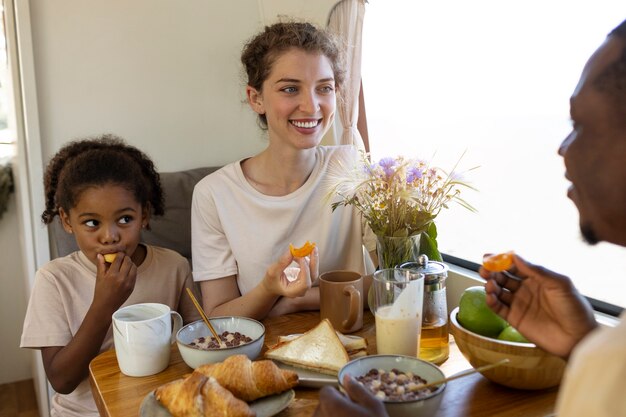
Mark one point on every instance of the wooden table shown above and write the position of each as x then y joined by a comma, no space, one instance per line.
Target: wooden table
118,395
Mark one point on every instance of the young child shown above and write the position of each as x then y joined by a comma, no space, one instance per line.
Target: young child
104,192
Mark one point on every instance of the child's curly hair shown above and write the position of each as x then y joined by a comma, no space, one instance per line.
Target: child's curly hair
106,159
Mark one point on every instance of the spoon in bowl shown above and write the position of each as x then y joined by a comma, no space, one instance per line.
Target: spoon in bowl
206,319
461,375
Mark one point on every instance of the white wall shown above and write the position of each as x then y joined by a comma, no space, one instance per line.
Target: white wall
160,73
164,74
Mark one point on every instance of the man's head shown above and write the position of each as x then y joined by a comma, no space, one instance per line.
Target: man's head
595,151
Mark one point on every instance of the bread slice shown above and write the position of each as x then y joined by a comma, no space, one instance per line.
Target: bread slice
319,350
356,346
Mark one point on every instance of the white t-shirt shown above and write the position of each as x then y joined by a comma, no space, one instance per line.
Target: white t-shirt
63,292
236,230
593,384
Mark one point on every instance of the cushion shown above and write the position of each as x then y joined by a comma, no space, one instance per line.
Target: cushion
172,230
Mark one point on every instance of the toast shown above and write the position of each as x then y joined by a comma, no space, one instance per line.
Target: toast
319,350
356,346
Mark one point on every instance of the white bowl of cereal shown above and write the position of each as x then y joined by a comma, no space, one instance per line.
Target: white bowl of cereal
395,379
242,335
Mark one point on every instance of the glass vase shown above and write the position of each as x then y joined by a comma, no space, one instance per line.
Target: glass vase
393,251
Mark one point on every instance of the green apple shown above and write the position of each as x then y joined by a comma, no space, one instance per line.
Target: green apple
511,334
476,316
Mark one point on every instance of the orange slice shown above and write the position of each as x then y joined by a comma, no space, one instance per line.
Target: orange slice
303,251
110,257
498,262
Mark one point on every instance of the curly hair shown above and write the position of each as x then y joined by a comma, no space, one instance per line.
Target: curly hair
106,159
260,52
612,81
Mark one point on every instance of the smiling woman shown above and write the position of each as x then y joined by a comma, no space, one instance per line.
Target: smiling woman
293,75
484,78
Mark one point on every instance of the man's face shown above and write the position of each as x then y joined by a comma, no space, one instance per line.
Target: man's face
595,154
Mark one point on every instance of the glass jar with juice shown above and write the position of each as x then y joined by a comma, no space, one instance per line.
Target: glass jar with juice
434,343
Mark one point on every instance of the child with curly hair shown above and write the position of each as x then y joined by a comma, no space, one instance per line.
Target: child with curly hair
104,192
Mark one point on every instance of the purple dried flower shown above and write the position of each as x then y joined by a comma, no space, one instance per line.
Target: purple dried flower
387,162
413,174
387,165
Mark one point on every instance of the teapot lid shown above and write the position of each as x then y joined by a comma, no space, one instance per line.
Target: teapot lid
433,271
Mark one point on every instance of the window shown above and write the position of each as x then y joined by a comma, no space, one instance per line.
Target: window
7,141
492,79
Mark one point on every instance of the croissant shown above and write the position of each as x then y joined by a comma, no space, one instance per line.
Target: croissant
200,396
249,380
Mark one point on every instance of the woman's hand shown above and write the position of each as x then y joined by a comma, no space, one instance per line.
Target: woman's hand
359,403
276,281
313,260
543,305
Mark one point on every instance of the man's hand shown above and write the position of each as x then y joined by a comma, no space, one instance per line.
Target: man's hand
543,305
359,403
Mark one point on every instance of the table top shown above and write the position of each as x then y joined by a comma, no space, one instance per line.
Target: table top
118,395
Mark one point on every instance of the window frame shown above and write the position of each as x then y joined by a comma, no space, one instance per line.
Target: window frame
598,305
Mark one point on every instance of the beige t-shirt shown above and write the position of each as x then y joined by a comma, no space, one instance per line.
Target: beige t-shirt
593,384
63,292
236,230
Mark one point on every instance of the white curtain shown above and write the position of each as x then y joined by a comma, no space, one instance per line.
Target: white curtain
346,20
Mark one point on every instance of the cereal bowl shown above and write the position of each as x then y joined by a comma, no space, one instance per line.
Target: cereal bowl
195,356
426,405
529,367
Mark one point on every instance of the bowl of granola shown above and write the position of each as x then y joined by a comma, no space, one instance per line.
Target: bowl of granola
240,335
396,380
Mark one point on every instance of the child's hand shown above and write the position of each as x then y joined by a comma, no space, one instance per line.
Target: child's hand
277,283
114,282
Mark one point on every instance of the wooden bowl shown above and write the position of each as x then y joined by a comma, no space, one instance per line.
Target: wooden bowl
529,367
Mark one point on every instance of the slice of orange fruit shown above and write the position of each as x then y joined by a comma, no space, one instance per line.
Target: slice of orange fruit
110,257
498,262
304,250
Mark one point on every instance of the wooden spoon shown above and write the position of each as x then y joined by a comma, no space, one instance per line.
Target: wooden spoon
461,375
206,319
